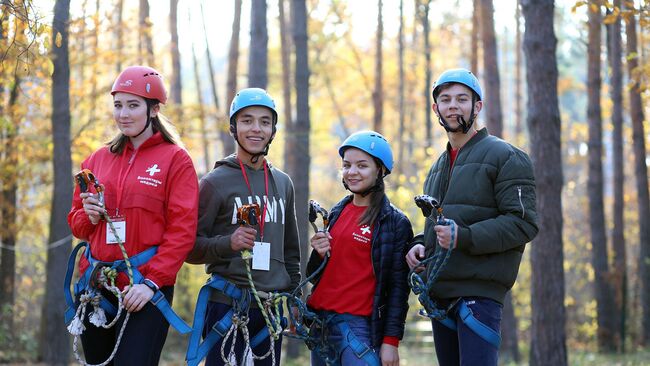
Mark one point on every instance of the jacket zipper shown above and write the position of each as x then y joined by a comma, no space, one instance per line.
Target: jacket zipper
523,209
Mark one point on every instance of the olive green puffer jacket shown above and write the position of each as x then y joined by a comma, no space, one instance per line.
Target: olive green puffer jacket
490,194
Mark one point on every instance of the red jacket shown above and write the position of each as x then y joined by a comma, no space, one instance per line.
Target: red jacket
156,188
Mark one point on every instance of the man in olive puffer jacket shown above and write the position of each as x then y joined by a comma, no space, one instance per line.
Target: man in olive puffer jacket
486,188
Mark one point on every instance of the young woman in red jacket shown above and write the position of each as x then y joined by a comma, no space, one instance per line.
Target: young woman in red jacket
151,197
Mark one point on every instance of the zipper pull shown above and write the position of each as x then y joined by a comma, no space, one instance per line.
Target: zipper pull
523,209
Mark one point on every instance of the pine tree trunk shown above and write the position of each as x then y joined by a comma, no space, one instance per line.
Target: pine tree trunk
378,93
492,94
519,115
641,175
145,45
233,60
401,133
176,81
54,342
618,274
602,289
509,335
476,29
258,76
548,337
302,126
427,78
285,50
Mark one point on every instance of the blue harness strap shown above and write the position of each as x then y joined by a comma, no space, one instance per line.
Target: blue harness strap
137,260
466,316
197,350
349,339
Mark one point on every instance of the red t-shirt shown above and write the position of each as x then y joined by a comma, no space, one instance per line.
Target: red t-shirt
348,282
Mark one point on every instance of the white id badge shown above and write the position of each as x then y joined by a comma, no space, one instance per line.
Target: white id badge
120,229
262,256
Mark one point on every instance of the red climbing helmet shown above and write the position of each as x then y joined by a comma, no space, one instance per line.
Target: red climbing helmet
142,81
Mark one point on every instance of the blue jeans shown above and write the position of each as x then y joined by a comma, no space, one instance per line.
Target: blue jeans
360,327
463,346
214,313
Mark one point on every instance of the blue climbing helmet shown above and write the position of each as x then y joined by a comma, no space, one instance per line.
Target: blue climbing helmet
460,76
247,98
252,97
374,144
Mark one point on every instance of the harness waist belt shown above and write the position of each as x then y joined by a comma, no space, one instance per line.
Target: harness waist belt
137,260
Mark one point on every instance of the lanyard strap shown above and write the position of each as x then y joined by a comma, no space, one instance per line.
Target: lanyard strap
266,192
121,179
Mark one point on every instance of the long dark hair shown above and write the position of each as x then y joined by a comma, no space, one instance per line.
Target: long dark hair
159,123
377,193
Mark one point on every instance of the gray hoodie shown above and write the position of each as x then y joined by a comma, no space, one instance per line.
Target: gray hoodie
221,192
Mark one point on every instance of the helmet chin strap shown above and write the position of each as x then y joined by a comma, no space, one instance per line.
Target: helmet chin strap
463,126
146,125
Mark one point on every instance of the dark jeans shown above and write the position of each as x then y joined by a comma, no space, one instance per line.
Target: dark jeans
214,313
463,346
141,343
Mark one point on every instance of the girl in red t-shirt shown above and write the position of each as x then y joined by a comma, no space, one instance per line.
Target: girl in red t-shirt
362,292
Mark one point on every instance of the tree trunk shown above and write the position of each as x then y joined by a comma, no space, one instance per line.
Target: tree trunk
199,100
119,32
224,134
476,29
378,93
8,210
640,173
233,60
548,337
401,132
602,290
519,115
618,274
289,139
176,82
300,171
258,75
492,104
145,45
54,342
510,344
427,78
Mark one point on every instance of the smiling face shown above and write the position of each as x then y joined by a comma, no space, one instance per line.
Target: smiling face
455,101
130,113
360,170
254,130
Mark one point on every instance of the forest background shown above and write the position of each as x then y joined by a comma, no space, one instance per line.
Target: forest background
566,81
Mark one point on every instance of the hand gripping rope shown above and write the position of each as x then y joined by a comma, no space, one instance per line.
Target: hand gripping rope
250,215
439,259
436,262
307,321
101,277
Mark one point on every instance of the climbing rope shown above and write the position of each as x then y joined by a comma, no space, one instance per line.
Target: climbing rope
435,263
105,278
249,215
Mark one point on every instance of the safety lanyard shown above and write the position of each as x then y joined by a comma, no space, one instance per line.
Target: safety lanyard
266,192
121,179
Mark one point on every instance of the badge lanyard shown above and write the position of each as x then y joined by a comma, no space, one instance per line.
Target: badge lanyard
266,192
122,178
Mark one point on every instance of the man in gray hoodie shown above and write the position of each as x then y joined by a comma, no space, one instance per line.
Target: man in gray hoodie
246,178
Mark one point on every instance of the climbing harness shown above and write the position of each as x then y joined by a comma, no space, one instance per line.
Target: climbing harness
236,318
102,275
312,327
437,261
